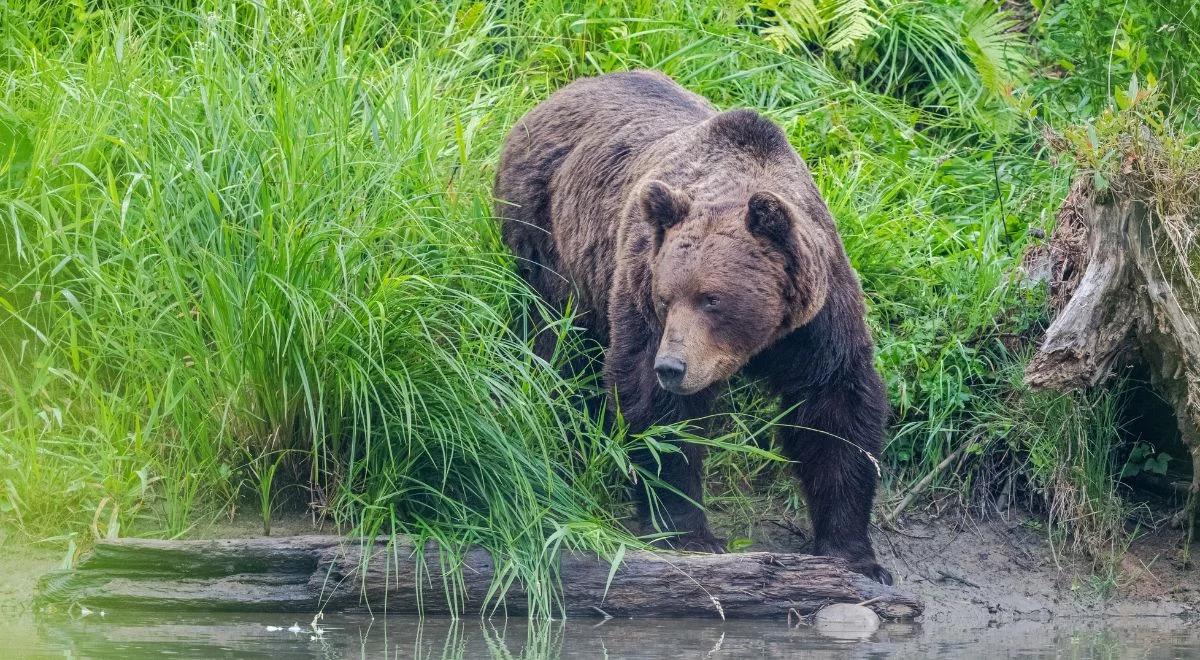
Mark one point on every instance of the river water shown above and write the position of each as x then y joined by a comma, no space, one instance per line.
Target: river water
191,635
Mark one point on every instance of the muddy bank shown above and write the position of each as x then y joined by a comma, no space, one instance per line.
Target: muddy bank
978,573
968,572
1001,571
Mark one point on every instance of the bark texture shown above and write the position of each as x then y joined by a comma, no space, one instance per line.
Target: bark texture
1123,278
310,573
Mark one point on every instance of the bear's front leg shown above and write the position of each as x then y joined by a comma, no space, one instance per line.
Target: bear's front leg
835,434
629,373
679,513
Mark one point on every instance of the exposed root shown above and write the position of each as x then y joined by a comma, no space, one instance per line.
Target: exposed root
1124,271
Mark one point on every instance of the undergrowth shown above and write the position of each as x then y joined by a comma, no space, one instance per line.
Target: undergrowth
248,259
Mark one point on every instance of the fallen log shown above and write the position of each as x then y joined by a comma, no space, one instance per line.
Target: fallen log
333,574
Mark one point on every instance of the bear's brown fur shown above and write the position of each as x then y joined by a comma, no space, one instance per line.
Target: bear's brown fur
697,247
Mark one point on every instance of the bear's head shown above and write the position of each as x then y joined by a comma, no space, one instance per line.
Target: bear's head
729,278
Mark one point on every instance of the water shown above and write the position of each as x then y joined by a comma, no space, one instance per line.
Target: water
131,637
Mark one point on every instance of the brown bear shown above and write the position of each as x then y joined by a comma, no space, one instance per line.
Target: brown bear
696,247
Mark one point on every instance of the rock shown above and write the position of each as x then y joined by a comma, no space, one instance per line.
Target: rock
846,621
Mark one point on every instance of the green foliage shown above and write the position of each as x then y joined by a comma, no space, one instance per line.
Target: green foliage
996,48
253,234
962,59
1091,48
1143,459
248,258
831,25
1071,444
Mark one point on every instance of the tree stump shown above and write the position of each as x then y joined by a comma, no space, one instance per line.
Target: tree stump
333,574
1123,268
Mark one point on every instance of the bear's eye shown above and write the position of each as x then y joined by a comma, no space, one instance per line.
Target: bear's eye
711,302
661,306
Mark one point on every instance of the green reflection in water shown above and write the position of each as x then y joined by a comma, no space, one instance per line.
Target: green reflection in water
131,637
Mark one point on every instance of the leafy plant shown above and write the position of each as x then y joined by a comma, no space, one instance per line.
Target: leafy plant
949,52
1142,458
831,25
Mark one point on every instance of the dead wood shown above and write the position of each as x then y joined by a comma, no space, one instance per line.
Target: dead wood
1123,268
326,573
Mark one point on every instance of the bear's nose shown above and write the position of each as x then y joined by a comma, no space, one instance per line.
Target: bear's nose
670,371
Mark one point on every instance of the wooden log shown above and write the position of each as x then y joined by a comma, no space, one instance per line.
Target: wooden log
328,573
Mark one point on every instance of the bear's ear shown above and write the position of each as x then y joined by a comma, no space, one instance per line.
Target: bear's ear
664,206
769,216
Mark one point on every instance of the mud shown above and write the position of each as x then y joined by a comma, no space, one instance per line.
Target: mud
977,573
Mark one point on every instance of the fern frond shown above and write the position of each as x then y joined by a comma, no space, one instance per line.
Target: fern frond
807,16
853,21
999,53
832,25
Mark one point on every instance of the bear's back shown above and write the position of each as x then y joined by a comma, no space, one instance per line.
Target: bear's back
613,103
565,169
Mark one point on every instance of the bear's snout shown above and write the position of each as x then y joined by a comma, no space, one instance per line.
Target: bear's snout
670,371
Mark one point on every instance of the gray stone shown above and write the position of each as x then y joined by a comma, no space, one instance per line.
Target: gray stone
846,621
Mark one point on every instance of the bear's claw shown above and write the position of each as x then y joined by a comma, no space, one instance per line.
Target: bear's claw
873,571
694,542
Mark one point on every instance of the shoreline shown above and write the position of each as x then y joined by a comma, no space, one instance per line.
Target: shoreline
969,572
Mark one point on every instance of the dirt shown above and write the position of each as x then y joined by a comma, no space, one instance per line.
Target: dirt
1003,571
978,573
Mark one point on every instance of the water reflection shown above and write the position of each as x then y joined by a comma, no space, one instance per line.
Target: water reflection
241,635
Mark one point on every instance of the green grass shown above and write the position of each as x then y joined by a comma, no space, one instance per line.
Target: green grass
247,258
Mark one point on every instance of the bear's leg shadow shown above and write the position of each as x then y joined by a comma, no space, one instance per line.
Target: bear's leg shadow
630,376
535,264
834,435
676,512
580,358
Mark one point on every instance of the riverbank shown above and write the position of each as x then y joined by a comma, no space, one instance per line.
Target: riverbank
976,573
969,572
1013,607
